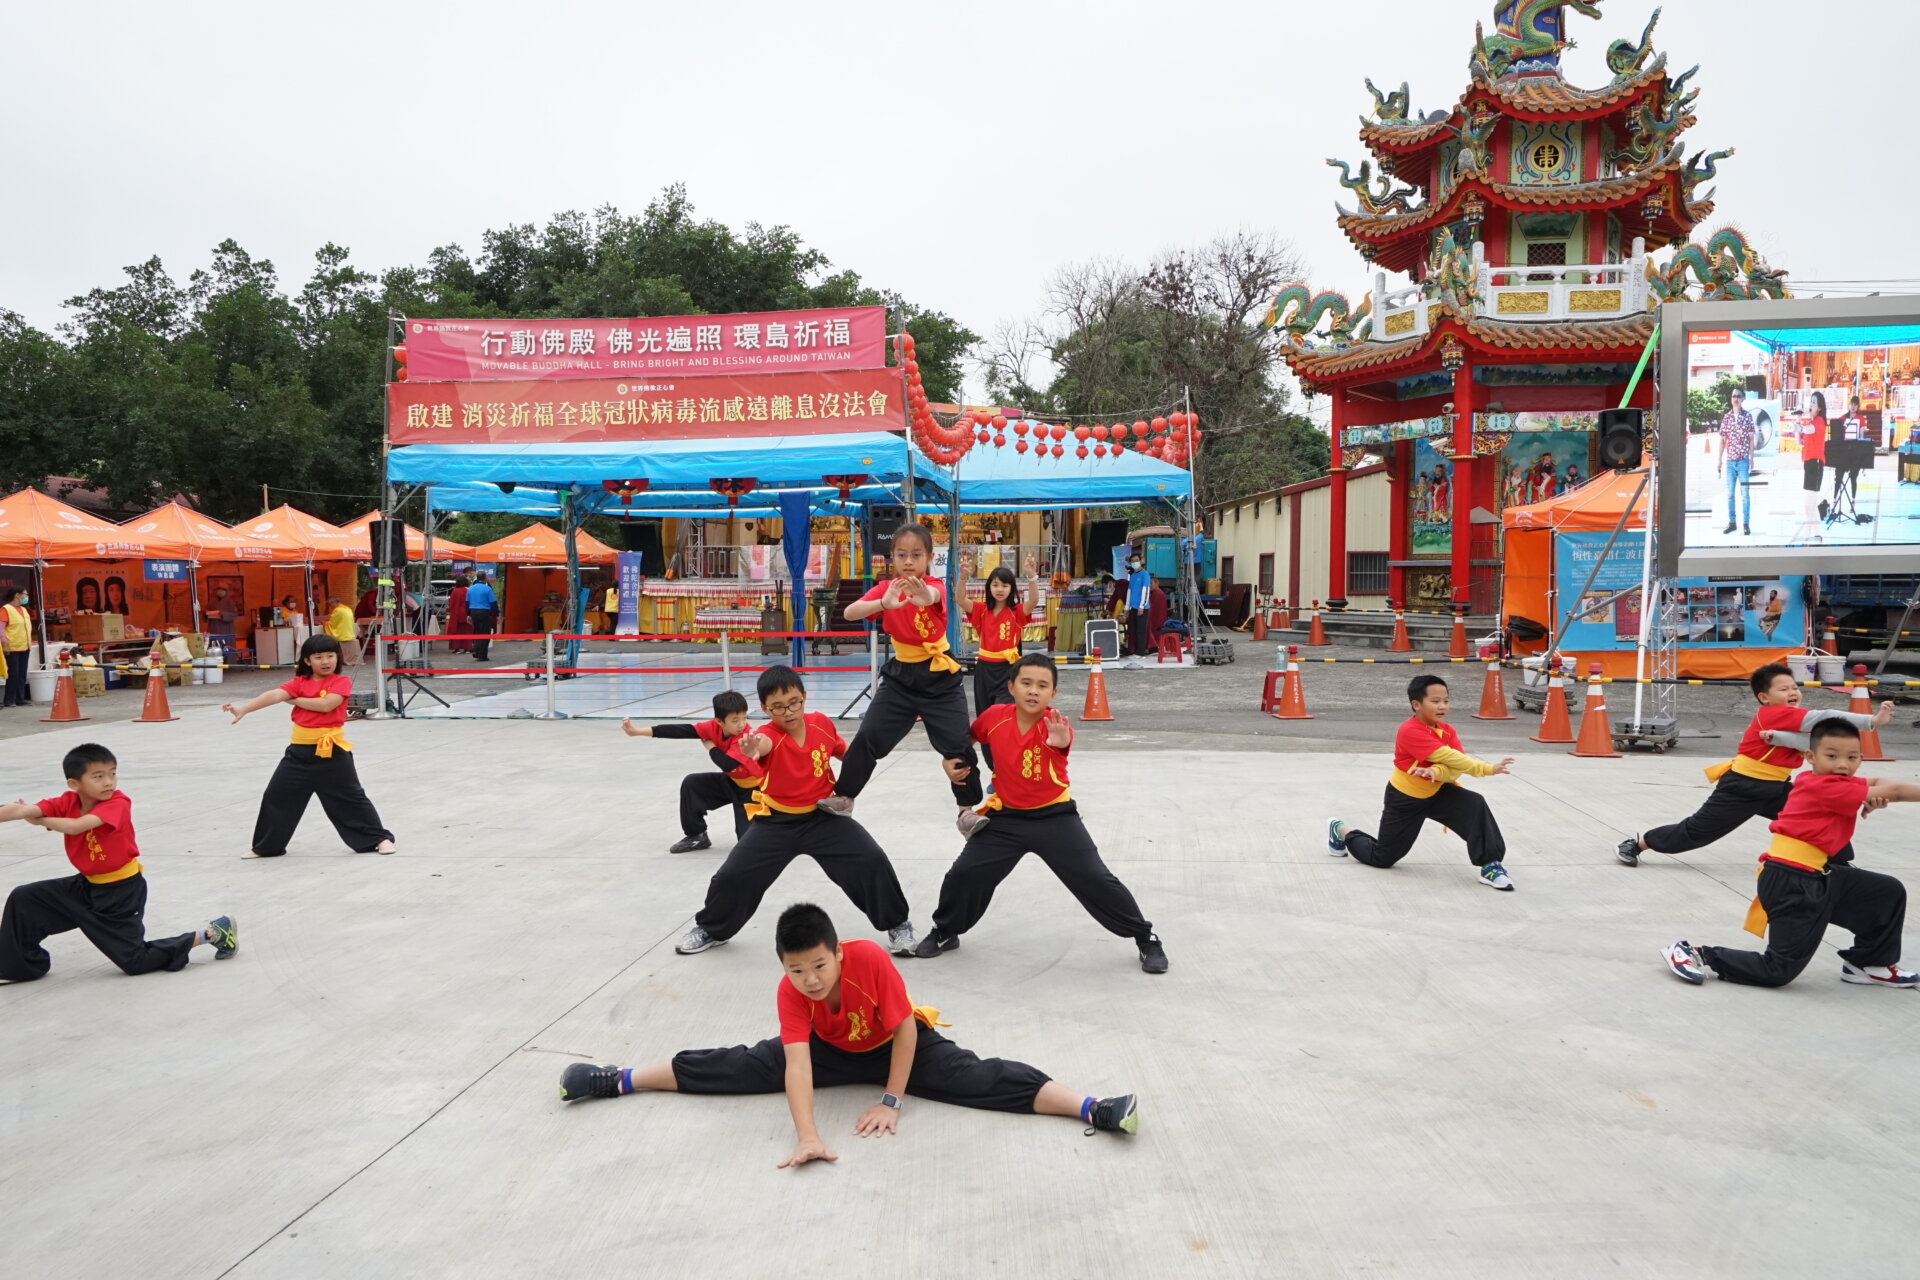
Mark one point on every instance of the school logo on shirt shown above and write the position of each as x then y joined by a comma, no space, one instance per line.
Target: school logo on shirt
820,757
94,851
922,624
1030,763
858,1028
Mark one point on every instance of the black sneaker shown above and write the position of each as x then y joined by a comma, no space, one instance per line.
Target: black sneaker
1629,851
1730,527
1153,956
691,844
585,1080
224,933
934,943
1117,1115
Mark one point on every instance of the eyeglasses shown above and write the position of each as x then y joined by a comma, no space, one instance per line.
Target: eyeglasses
782,708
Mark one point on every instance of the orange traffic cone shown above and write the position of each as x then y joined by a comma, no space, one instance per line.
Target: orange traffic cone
66,704
1862,705
1293,696
1457,645
1259,622
1554,726
1596,735
1282,616
1317,634
1830,642
1400,643
1493,694
155,710
1096,704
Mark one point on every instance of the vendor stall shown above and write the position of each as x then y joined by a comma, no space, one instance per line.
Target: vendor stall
529,572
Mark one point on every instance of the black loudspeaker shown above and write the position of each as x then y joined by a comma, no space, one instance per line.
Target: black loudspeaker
1619,433
885,520
1099,538
1756,386
388,539
644,536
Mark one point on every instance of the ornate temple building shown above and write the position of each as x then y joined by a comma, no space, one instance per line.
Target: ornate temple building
1512,240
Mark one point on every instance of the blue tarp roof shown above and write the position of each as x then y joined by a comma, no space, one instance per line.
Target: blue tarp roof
1841,338
686,464
1000,479
538,500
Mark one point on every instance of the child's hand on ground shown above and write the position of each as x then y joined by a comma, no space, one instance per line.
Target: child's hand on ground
812,1149
1505,766
754,746
877,1121
1059,732
957,773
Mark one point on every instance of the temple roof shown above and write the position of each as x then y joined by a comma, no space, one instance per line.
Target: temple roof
1494,337
1528,97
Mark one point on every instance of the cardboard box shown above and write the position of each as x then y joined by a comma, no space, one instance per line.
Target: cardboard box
177,676
93,628
90,682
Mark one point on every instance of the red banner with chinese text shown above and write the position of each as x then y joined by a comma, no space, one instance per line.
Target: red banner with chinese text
687,346
589,410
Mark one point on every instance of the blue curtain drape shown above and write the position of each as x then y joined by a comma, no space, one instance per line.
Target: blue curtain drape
796,511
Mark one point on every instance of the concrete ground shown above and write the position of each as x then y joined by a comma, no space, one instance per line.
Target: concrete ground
1348,1072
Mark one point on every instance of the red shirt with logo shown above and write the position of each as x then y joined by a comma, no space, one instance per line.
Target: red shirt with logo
798,775
108,847
314,687
913,623
1027,772
1786,719
873,1002
709,732
999,628
1821,810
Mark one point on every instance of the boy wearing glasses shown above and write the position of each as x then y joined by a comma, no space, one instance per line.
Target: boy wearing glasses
795,751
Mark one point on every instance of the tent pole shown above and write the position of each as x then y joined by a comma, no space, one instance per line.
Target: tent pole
1560,629
569,520
40,599
954,605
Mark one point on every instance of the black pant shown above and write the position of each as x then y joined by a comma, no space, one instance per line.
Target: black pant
1800,905
990,687
701,793
1735,799
299,777
1139,643
1058,836
1810,476
942,1072
17,678
1464,812
111,915
480,623
850,857
909,690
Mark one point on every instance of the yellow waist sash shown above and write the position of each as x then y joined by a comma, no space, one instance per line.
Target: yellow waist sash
1418,788
127,872
1791,852
998,655
747,784
925,1015
1748,767
993,802
763,805
323,741
934,655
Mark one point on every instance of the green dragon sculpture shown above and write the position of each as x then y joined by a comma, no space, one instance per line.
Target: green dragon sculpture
1297,312
1703,168
1374,202
1656,120
1450,275
1625,58
1727,269
1473,160
1390,108
1522,39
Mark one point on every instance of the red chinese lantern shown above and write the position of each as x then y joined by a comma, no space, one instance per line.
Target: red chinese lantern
983,437
1081,432
1057,431
1140,429
1000,442
1020,446
1100,432
1196,437
912,366
906,343
1059,450
1177,419
734,489
1020,428
999,422
1080,452
1158,425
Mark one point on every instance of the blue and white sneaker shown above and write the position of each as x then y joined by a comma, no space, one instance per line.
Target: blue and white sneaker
1494,876
1336,837
1879,975
1685,962
696,941
224,933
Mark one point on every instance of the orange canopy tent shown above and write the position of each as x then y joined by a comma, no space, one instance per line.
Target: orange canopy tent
443,548
195,536
537,544
295,538
36,527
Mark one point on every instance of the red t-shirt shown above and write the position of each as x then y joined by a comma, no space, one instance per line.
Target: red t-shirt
314,687
798,776
1813,439
1786,719
999,628
109,846
913,623
1415,742
1027,773
1821,810
709,731
873,1002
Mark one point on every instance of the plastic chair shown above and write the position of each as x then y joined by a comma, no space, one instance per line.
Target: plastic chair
1168,642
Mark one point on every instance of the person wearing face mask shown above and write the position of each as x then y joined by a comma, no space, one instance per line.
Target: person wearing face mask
17,639
1139,601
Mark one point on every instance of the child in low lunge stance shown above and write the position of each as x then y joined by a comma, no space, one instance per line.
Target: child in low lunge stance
998,620
920,681
795,751
107,899
700,793
319,760
1755,782
1803,888
1032,811
1427,760
845,1019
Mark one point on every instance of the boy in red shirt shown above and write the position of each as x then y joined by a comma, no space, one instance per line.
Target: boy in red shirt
845,1019
1754,783
702,792
1427,758
795,752
107,899
1032,811
1804,887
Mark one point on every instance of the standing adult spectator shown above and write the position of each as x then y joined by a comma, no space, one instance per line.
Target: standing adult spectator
1139,602
341,626
480,610
1736,461
18,638
457,614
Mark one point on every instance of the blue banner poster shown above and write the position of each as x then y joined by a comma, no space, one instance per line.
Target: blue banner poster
164,570
627,574
1725,613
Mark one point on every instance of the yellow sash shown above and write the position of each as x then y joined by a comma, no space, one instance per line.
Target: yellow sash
1419,788
1748,767
934,655
127,872
993,802
763,805
997,655
928,1016
747,784
1783,849
323,741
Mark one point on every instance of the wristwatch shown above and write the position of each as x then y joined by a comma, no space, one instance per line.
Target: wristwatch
890,1100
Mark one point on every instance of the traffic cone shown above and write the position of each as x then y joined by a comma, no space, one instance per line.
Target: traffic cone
1400,643
1096,705
155,710
1596,735
1259,622
1554,726
1457,645
1830,642
1282,616
1862,705
1493,694
1317,634
1293,698
66,704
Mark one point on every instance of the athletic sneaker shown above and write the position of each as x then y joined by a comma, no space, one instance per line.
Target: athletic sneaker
1336,837
1153,956
696,941
900,939
1494,876
585,1080
840,805
934,943
1685,962
1878,975
691,844
224,933
1629,851
1117,1115
969,822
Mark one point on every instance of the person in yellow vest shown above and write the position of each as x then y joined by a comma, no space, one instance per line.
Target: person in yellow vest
341,627
17,639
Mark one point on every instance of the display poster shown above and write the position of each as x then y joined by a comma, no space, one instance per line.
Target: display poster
164,570
1536,466
1714,612
1430,497
627,579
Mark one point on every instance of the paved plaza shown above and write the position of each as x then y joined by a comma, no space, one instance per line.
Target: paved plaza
1348,1072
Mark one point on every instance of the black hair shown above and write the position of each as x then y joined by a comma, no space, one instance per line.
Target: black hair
727,702
1822,398
1762,680
315,644
84,757
7,596
1003,574
1418,686
778,680
802,927
1832,729
919,531
1039,661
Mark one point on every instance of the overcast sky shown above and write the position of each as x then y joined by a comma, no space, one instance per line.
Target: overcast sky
957,152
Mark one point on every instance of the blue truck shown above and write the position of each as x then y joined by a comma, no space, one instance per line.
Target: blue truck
1871,601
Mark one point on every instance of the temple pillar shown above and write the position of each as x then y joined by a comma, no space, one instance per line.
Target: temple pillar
1337,512
1399,518
1462,488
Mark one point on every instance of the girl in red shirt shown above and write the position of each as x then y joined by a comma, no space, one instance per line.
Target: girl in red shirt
319,761
998,620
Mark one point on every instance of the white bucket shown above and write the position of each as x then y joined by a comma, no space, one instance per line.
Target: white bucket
1805,666
216,673
41,682
1832,670
199,675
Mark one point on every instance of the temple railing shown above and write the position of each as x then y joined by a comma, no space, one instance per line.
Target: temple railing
1577,291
